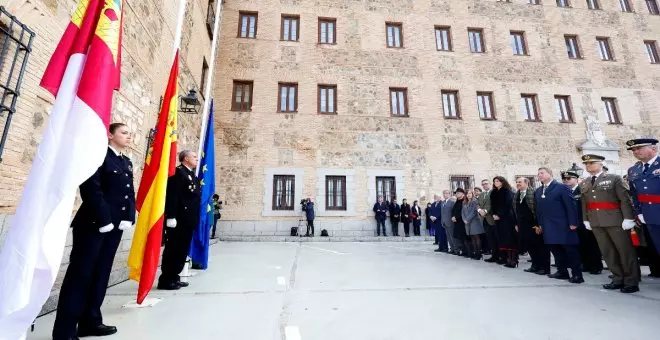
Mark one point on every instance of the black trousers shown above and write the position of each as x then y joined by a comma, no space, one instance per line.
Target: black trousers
493,239
310,226
567,256
215,223
86,280
416,227
589,251
536,248
395,226
406,227
176,252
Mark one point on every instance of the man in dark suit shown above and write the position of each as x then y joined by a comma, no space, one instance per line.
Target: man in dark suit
447,205
380,209
182,215
592,260
108,208
395,217
556,214
435,213
524,207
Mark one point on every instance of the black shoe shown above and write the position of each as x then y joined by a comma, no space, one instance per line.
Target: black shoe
529,261
68,338
595,272
501,261
100,330
610,276
654,275
196,266
576,279
511,264
531,269
435,243
542,272
612,286
559,276
491,259
630,289
168,286
182,284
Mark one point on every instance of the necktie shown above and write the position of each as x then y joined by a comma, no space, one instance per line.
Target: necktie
522,196
646,168
593,180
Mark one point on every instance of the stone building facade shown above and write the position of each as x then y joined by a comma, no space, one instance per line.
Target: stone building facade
448,58
149,27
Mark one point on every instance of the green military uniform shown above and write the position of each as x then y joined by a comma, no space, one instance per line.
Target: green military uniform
606,204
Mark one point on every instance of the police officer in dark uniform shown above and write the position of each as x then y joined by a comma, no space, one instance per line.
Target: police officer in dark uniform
644,182
107,209
182,216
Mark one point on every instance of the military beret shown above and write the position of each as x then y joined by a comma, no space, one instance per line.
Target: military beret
634,143
592,158
569,174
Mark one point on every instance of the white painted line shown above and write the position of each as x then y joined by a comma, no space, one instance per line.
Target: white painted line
281,281
278,267
404,248
323,249
292,333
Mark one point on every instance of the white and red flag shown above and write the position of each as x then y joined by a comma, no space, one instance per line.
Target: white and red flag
82,75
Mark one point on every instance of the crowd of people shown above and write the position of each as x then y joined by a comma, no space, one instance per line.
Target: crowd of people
580,221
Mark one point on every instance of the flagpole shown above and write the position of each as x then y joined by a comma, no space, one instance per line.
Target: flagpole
209,79
179,26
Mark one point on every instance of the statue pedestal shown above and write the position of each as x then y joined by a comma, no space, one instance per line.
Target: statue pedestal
605,148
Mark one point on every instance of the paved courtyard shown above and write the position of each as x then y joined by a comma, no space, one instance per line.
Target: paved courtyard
379,291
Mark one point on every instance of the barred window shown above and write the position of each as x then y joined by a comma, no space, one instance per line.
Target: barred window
335,193
283,192
386,188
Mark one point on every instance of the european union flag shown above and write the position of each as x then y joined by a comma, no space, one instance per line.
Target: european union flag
199,248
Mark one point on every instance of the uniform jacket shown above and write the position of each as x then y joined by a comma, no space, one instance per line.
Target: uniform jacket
578,204
606,203
555,213
447,206
405,210
529,200
380,209
484,203
108,196
645,190
183,197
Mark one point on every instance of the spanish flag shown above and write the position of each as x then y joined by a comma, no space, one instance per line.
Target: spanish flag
161,160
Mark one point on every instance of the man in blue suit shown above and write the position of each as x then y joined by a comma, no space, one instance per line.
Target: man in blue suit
380,209
644,182
557,218
436,218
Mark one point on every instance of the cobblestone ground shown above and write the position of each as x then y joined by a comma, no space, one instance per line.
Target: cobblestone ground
341,291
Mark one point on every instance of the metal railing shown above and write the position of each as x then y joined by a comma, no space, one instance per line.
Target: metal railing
15,47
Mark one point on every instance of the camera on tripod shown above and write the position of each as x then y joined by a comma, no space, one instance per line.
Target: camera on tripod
304,202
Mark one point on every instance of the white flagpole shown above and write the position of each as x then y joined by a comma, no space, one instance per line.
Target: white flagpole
209,79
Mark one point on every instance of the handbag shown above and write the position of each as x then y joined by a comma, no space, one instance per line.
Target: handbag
413,216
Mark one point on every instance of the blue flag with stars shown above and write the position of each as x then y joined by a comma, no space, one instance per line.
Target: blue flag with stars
199,248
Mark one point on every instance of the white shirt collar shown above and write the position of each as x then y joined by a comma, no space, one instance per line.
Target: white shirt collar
185,166
119,154
652,160
548,184
597,175
575,187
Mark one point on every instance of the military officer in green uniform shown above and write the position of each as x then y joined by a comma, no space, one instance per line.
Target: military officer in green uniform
607,211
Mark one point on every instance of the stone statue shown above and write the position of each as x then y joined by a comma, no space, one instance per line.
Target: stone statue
594,131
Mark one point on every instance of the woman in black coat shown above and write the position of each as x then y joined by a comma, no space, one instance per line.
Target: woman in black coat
429,225
502,207
416,216
459,226
405,216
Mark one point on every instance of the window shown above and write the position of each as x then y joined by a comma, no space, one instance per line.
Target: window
485,105
288,98
611,110
593,4
653,7
335,193
205,71
563,105
327,99
327,31
398,102
530,108
386,188
450,104
460,181
443,38
210,17
518,43
394,35
563,3
572,47
242,96
283,192
652,51
290,25
476,40
247,25
534,2
625,5
604,49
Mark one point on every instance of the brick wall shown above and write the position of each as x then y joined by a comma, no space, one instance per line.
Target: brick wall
425,146
147,55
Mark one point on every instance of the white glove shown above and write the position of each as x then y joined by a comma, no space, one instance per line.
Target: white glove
641,218
628,224
587,225
107,228
123,225
171,222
